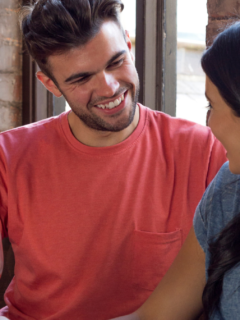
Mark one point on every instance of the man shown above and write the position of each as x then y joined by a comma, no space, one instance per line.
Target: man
98,201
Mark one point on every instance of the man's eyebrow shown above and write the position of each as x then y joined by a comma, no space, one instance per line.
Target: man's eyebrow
87,74
116,56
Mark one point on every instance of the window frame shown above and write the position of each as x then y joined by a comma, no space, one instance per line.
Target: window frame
156,47
37,101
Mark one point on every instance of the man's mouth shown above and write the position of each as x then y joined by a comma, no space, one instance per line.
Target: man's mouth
112,104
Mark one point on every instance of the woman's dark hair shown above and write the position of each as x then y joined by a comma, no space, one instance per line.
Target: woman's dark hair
221,63
55,26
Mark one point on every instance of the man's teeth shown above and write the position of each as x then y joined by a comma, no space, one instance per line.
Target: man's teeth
111,105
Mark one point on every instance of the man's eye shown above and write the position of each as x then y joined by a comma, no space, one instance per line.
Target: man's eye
116,63
82,80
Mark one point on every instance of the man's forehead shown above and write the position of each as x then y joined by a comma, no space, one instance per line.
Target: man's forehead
97,52
109,35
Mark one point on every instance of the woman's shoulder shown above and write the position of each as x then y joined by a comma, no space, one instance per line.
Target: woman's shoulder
220,204
225,176
222,189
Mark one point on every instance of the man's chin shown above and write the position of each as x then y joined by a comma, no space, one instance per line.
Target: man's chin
96,122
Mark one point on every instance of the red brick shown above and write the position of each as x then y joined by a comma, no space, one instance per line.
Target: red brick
17,92
215,27
15,116
10,116
223,8
10,58
10,4
9,30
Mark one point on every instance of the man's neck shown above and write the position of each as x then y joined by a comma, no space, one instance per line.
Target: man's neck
96,138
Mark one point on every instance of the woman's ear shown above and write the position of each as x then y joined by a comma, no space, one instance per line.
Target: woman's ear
48,84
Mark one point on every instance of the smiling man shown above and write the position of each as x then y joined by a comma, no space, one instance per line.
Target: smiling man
103,92
97,201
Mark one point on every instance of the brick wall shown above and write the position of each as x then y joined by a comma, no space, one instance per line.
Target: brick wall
221,13
10,65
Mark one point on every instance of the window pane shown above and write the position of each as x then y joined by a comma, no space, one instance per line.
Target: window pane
128,19
191,34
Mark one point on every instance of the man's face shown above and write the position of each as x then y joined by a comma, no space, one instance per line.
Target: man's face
99,80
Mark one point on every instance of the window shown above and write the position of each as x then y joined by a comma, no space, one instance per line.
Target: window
156,53
191,99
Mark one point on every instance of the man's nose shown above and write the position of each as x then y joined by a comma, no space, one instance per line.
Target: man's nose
106,85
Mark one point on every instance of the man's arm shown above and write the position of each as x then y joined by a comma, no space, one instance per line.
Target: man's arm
179,294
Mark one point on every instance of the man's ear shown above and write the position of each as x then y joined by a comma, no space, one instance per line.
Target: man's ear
129,43
48,84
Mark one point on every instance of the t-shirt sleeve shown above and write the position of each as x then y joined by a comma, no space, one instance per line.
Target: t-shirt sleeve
217,159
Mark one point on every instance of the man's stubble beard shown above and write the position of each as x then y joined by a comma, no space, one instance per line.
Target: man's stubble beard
94,122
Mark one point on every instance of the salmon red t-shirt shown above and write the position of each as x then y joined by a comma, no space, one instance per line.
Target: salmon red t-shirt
94,230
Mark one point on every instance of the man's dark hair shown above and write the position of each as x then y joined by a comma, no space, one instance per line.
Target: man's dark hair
53,27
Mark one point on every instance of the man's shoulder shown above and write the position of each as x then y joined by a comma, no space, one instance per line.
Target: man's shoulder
176,127
30,131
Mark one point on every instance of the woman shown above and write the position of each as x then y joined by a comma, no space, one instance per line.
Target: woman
206,273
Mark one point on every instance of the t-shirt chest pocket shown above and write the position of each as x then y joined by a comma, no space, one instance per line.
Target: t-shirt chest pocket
153,255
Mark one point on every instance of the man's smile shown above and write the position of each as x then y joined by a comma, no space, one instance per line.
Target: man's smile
112,104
